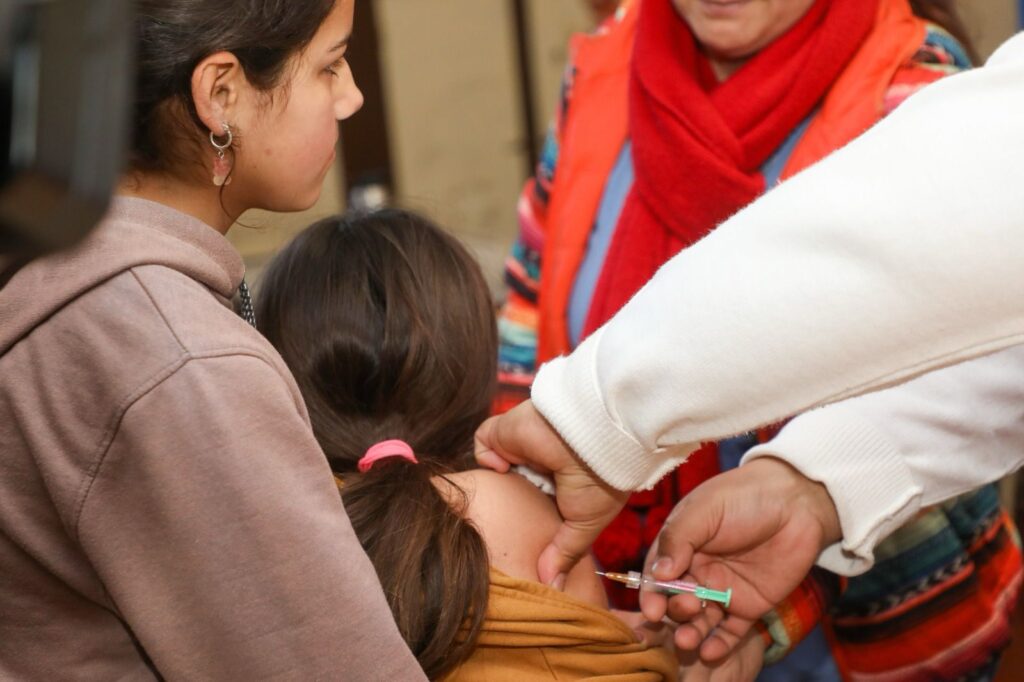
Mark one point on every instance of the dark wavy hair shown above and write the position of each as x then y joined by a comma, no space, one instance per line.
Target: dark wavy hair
387,324
173,36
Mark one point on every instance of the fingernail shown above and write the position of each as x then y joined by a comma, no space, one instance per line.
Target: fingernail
559,582
662,566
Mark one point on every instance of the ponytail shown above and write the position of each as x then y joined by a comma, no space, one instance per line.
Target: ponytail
387,324
432,563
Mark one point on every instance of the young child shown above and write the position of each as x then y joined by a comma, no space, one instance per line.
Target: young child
387,324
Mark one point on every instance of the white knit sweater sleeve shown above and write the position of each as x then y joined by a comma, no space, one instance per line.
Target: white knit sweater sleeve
886,455
900,253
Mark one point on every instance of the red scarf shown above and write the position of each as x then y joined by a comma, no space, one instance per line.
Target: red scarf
698,147
697,152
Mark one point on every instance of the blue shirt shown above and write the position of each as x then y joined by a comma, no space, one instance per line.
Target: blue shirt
616,189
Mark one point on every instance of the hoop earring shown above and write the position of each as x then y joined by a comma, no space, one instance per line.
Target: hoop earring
221,166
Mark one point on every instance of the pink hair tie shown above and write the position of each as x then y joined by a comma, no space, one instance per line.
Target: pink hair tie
385,449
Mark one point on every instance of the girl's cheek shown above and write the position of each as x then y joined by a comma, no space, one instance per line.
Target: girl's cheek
319,146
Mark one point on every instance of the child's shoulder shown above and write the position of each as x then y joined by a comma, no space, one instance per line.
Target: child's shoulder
517,521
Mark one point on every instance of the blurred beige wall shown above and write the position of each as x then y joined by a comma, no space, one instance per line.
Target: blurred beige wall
990,22
450,81
455,108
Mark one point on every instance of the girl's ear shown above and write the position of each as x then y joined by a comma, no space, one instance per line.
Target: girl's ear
216,84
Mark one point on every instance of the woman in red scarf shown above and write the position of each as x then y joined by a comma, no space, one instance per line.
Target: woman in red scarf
675,115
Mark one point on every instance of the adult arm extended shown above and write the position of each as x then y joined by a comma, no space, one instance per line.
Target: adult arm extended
885,455
884,261
214,525
881,457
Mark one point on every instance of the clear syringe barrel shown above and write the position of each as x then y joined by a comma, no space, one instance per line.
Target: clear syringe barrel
638,581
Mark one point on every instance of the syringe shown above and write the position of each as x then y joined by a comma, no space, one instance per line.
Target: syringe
634,581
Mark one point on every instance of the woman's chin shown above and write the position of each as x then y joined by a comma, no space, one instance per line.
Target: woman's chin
730,49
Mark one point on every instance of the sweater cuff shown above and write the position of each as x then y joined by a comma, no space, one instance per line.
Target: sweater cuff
870,483
566,391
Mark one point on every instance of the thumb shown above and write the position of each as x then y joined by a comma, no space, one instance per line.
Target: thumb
654,605
689,527
485,447
587,505
520,436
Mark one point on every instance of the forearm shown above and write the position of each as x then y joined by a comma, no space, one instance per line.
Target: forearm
886,455
872,267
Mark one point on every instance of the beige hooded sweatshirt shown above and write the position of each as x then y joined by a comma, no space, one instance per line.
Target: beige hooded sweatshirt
164,509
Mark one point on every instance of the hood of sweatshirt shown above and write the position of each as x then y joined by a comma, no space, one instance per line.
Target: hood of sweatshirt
134,232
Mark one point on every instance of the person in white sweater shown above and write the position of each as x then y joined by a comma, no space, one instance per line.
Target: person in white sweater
844,280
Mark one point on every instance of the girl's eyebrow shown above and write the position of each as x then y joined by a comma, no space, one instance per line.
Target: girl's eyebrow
341,43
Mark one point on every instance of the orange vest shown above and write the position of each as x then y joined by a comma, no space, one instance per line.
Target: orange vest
596,126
